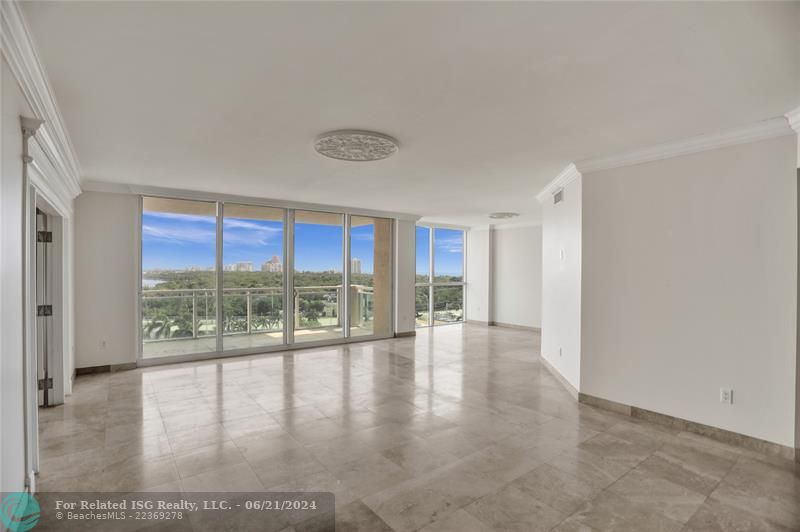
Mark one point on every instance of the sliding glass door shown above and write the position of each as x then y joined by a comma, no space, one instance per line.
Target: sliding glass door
179,278
318,276
252,276
370,293
227,277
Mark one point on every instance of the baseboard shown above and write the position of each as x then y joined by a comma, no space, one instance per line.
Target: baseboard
605,404
514,326
478,322
721,435
560,378
405,334
108,368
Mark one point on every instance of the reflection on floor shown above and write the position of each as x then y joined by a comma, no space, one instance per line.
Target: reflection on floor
460,428
187,346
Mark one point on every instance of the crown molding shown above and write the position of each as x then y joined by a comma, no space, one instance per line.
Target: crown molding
481,228
767,129
23,59
567,176
436,225
517,225
44,176
793,117
146,190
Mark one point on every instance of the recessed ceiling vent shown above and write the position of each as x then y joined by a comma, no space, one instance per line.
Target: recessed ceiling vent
558,197
356,145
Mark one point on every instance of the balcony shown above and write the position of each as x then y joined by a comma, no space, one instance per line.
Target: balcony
177,322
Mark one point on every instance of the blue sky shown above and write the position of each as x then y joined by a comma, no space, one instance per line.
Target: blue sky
178,241
448,251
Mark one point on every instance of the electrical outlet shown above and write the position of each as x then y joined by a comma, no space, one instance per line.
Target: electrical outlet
726,396
103,344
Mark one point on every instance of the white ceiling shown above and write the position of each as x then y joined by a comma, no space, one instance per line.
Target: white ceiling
488,100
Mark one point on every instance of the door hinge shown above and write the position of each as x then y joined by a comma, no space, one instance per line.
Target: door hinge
46,384
44,236
44,310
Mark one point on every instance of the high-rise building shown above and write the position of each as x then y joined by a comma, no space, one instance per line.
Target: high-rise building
244,266
272,265
355,265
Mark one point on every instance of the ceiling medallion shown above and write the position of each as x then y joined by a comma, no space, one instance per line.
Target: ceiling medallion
355,145
503,215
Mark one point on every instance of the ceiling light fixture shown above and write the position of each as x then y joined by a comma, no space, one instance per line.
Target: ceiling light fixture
355,145
503,215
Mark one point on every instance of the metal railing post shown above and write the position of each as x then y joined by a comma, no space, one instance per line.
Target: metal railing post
194,314
339,305
248,313
297,308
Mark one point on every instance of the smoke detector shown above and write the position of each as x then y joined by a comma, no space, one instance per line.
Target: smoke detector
356,145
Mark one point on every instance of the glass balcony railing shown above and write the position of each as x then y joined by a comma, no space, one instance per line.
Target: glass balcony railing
171,315
178,314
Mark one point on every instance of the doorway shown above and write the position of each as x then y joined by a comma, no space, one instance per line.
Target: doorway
45,312
47,295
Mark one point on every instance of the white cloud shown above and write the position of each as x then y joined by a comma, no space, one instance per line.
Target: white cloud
178,235
450,244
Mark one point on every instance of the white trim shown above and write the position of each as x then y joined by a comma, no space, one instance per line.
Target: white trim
145,190
20,52
45,178
435,225
567,176
767,129
793,117
518,225
476,228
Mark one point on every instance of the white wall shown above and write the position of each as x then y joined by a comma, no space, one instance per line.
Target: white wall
405,270
517,276
106,278
479,275
12,450
561,283
690,284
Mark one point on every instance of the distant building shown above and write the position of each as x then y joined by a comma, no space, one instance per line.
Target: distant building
272,265
355,265
245,266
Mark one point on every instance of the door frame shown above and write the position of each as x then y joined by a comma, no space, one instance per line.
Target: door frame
39,191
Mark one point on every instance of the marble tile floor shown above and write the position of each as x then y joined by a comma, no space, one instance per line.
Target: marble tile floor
460,428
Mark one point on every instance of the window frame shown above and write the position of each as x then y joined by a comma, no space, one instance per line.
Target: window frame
431,284
288,279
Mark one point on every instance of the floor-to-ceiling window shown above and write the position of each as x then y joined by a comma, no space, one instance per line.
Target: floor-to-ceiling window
423,279
269,276
252,276
440,276
370,276
318,276
179,281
